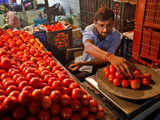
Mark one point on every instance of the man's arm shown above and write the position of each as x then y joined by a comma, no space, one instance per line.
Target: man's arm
120,63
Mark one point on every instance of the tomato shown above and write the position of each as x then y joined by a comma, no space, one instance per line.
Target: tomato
2,97
74,85
85,100
30,75
136,73
65,99
55,95
44,115
4,75
66,90
84,112
91,117
66,113
31,118
37,94
77,93
66,82
111,77
116,82
28,88
46,102
46,90
55,118
76,116
112,69
16,76
34,107
24,97
125,83
107,72
7,118
22,84
5,63
11,88
93,105
14,93
35,82
146,75
50,80
9,103
55,109
135,84
145,81
56,85
47,77
19,113
76,105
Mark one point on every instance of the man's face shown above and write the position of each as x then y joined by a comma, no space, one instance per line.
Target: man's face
104,27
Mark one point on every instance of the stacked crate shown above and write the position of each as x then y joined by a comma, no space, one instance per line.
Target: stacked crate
146,44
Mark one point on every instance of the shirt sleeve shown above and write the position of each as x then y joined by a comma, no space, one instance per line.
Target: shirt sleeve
116,42
87,35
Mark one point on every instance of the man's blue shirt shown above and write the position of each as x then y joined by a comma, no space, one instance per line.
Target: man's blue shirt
109,44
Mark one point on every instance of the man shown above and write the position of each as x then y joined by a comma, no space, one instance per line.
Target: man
12,20
101,41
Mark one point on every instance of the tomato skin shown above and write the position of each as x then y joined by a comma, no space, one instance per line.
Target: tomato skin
55,109
55,95
125,83
116,82
77,93
66,113
146,82
135,84
65,99
111,77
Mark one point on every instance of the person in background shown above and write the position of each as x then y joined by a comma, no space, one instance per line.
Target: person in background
100,41
12,20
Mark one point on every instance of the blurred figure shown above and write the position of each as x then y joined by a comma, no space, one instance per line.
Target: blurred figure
12,20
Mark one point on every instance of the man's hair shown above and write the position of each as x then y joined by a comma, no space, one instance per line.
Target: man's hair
103,14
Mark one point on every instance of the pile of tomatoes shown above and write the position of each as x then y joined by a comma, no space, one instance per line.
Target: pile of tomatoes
34,87
139,80
56,27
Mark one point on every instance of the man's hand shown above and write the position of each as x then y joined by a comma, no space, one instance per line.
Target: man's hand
121,65
75,66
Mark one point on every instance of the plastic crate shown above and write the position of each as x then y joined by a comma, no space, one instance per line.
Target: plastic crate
58,42
41,35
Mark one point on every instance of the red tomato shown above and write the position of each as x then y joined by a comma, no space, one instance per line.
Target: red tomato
30,75
125,83
2,97
37,94
11,88
116,82
107,72
19,113
111,77
46,90
55,109
44,115
77,93
135,84
84,112
50,80
66,82
55,95
66,113
65,99
66,90
55,118
24,97
74,85
85,100
47,77
76,116
14,93
91,117
145,81
34,107
76,105
28,88
22,84
9,103
46,102
35,82
31,118
56,85
112,69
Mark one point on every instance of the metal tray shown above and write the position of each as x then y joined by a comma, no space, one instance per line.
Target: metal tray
128,93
